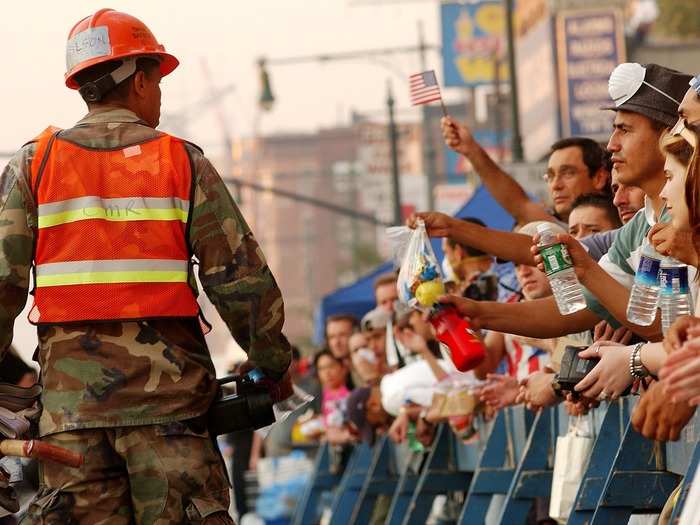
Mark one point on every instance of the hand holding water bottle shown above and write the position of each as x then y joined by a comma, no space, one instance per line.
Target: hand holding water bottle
644,297
580,260
554,258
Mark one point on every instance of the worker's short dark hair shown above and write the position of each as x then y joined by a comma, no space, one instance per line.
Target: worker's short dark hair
120,92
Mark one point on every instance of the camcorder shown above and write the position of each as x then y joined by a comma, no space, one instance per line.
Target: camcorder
574,369
244,403
483,288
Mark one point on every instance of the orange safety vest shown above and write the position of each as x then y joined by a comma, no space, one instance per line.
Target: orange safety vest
111,239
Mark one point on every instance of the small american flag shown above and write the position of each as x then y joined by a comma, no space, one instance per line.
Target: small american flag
424,88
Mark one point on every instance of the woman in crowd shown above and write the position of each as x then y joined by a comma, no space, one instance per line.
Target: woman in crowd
681,372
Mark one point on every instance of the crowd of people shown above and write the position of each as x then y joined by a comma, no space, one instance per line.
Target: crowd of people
388,374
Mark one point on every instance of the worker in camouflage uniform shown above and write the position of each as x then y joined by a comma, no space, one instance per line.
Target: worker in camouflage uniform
113,214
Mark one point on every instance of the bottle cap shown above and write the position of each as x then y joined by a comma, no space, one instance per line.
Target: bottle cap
545,227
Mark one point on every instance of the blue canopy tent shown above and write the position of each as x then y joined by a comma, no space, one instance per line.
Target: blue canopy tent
358,298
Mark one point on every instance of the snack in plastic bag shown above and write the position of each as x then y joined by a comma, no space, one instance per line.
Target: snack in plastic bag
420,284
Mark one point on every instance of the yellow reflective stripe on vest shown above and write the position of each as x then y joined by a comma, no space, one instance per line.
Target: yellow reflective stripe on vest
117,209
112,272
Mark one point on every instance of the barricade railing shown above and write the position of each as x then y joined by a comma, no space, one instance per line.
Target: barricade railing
625,473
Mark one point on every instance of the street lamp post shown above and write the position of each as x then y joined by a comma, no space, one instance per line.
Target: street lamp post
394,146
517,145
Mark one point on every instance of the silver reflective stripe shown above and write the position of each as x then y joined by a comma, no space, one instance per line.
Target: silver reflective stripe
115,206
124,265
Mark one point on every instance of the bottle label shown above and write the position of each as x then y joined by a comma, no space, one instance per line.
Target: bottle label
556,258
648,271
674,281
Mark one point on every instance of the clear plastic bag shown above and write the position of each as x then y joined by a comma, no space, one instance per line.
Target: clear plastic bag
420,280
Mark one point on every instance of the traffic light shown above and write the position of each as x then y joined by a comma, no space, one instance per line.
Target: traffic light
267,99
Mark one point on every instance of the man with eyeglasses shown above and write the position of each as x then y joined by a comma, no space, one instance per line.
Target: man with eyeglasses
576,166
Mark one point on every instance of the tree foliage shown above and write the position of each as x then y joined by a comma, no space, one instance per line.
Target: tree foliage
678,18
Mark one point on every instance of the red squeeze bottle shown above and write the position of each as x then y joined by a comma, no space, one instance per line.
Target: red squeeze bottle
466,350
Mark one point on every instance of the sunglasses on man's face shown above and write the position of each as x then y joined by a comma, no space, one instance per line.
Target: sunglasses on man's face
687,131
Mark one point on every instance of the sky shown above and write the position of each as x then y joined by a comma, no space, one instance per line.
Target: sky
230,36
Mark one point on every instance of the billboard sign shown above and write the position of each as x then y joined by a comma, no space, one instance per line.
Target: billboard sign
590,43
473,40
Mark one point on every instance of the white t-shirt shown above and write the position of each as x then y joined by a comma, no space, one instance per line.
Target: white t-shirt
414,383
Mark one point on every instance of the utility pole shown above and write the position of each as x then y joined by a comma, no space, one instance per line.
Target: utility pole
517,145
428,146
394,145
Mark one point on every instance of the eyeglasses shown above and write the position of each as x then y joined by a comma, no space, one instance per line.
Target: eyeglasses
565,174
687,131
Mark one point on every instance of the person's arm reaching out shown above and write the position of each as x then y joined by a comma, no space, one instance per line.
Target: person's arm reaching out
504,188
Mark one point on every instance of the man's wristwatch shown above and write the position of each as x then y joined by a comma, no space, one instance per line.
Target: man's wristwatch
637,369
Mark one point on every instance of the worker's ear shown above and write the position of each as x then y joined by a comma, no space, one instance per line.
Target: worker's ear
140,83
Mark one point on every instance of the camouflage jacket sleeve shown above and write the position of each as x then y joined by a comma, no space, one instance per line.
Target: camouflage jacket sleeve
16,241
234,273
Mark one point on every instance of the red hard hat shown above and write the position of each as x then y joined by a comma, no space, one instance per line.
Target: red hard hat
110,35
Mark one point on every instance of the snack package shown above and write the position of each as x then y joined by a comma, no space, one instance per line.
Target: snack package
420,280
420,284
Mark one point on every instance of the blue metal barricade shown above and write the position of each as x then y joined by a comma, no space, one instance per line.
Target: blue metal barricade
381,479
322,480
625,474
533,476
438,476
351,483
605,448
494,470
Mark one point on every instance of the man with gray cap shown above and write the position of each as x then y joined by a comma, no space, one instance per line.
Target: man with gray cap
374,327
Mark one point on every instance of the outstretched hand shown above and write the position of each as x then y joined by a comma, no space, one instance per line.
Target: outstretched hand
436,224
500,391
468,308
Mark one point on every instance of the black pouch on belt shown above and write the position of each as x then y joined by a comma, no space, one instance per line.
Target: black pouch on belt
242,405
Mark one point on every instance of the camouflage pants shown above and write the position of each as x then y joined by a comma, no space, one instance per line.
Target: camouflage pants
147,475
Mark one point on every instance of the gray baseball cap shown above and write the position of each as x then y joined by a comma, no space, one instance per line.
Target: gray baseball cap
375,319
647,89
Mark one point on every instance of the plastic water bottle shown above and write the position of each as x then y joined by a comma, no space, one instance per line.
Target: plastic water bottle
644,297
560,271
674,298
